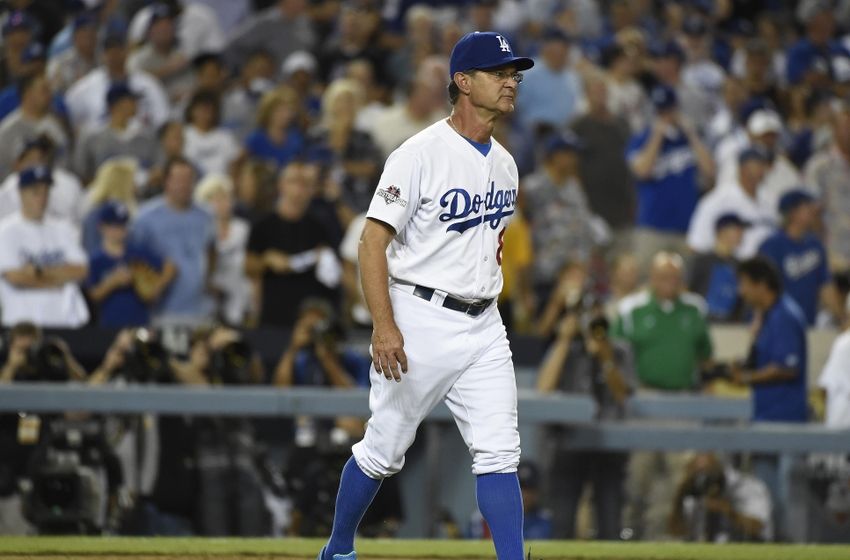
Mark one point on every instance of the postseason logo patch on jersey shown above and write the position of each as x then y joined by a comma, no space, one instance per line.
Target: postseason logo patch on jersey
392,195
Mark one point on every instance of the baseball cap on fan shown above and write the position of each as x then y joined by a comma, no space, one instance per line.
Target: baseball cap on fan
481,50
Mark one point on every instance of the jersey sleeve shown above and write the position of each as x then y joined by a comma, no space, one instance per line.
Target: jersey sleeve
398,190
786,348
9,259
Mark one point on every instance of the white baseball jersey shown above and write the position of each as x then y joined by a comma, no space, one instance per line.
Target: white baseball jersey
449,205
45,243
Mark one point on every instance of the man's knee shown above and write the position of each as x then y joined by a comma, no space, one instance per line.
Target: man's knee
377,464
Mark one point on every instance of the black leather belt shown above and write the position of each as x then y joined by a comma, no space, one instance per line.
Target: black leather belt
473,309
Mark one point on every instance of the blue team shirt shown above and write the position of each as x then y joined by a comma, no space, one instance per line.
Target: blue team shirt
123,307
804,268
782,341
722,294
260,146
804,56
668,198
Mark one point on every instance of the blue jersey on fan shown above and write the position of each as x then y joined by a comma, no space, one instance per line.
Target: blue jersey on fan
668,197
782,341
803,266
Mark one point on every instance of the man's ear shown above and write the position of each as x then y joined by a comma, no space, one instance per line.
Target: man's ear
462,81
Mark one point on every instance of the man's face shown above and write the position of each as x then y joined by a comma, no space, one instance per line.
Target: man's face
161,33
114,233
494,89
748,290
179,184
22,342
754,171
666,281
115,57
85,39
296,188
806,215
555,54
40,92
34,200
731,235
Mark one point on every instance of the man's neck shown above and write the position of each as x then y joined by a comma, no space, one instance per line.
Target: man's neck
558,176
177,205
31,216
31,113
722,251
475,124
288,213
119,123
749,190
795,231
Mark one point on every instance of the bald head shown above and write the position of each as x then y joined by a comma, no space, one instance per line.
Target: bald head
666,275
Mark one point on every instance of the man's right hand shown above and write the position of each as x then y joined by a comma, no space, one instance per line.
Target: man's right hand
120,277
276,261
388,351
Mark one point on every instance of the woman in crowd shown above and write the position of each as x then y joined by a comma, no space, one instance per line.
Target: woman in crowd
277,138
209,146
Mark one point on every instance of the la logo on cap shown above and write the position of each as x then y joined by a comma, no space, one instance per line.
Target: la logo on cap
503,44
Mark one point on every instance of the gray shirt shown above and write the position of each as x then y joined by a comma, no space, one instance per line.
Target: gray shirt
16,130
269,31
104,142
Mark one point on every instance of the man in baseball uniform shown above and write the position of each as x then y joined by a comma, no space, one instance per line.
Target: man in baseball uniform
430,257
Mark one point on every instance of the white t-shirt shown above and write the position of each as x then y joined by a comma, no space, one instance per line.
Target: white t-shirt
835,380
726,199
198,29
86,99
66,201
781,178
48,242
211,152
449,206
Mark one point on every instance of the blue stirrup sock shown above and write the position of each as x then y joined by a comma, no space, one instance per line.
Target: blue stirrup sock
356,492
500,502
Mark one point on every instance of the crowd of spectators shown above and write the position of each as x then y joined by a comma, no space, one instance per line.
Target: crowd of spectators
207,164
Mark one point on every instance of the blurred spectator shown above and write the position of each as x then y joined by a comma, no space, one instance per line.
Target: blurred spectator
282,29
87,99
808,58
554,202
229,279
299,72
161,54
668,160
536,520
396,124
211,148
255,189
420,42
41,261
700,73
177,229
210,73
26,343
517,302
712,273
717,503
66,200
376,95
121,135
798,254
741,198
624,281
764,127
834,380
124,280
355,161
666,328
696,103
776,370
357,36
198,28
34,63
288,251
813,132
603,170
33,118
356,308
541,112
171,143
725,122
114,181
583,360
66,68
17,35
277,138
829,174
626,98
240,104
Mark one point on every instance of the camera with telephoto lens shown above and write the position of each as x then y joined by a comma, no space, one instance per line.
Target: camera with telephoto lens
231,364
147,360
706,484
64,491
45,361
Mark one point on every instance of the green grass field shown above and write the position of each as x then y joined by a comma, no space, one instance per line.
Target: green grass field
400,549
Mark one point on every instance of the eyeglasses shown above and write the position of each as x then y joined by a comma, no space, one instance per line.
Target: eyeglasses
503,75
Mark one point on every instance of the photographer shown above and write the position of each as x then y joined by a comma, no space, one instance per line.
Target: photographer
218,356
717,503
31,357
583,360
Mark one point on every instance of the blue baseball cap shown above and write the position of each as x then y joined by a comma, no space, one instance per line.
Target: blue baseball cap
562,141
663,97
753,153
794,198
113,213
668,49
159,12
36,175
730,219
481,50
16,21
117,92
84,20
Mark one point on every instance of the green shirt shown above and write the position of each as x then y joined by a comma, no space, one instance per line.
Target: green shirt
669,339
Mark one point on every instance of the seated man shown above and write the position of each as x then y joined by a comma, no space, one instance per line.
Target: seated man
41,261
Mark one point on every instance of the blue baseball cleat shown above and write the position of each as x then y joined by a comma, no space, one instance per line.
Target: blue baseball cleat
349,556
